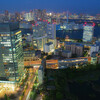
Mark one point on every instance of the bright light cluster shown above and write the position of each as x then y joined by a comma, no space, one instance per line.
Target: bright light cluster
6,88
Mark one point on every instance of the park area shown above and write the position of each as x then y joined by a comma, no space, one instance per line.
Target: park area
73,84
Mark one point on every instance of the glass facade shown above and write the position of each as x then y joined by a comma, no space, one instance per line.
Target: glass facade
11,55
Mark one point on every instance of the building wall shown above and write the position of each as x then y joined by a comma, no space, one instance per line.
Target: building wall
29,16
79,51
51,33
48,48
94,49
11,54
40,14
68,47
29,56
74,48
40,74
66,54
73,62
39,35
88,33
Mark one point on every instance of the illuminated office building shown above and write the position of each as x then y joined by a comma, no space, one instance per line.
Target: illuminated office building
51,33
29,16
11,53
88,32
6,15
39,35
40,14
17,16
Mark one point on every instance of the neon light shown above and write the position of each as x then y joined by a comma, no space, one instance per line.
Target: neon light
93,24
85,23
36,24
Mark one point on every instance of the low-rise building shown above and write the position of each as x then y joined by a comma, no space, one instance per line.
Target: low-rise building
73,62
32,55
56,52
66,53
29,55
75,48
79,50
94,48
48,47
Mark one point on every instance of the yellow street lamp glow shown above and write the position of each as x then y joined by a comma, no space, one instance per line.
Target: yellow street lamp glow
18,32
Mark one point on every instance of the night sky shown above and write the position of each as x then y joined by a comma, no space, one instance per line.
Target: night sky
74,6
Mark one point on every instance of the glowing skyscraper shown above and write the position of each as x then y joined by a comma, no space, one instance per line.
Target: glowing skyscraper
11,53
88,32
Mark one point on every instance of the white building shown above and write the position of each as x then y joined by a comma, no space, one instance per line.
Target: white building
93,48
48,47
88,31
29,16
39,35
40,74
51,33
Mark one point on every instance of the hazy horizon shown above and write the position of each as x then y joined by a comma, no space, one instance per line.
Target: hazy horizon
74,6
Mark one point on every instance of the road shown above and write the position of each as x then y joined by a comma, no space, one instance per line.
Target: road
30,85
32,63
28,91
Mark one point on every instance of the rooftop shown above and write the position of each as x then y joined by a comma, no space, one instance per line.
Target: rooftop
7,27
66,51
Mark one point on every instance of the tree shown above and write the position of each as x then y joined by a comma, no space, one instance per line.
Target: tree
85,53
59,96
5,96
45,97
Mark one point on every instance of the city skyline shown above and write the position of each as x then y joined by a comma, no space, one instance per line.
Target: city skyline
49,50
85,6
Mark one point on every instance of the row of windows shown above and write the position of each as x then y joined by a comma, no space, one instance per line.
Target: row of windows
4,34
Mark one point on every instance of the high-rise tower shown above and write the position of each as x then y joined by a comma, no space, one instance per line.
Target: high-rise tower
88,32
11,53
